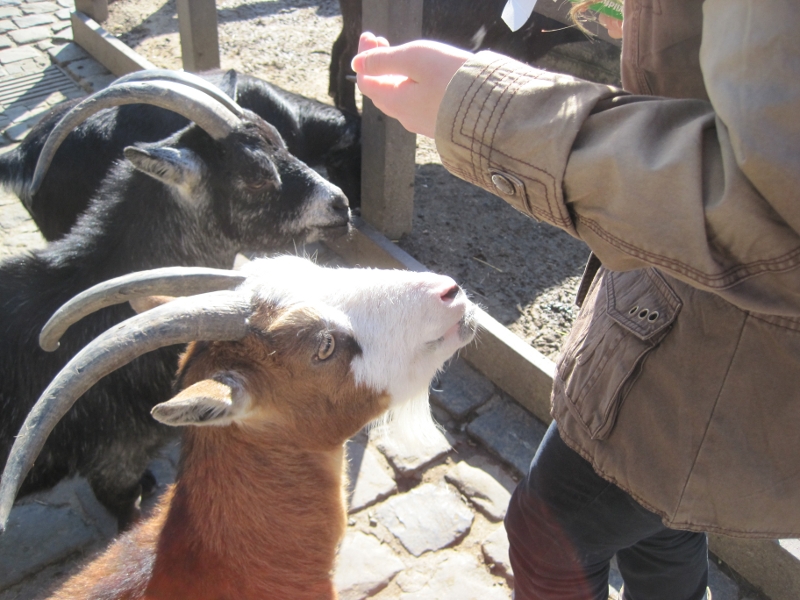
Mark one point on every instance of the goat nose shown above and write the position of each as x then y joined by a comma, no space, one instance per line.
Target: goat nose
339,204
450,293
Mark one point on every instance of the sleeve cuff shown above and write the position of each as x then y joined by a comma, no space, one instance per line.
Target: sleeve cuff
509,128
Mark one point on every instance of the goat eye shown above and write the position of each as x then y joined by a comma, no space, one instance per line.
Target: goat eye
326,346
256,184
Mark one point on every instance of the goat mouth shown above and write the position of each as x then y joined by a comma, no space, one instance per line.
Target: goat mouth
468,325
329,232
462,332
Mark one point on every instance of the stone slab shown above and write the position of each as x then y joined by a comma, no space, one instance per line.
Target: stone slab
49,528
32,20
38,8
63,55
480,488
86,68
370,480
13,55
764,563
495,552
64,36
407,460
510,431
98,82
364,566
428,518
461,389
9,11
30,35
450,575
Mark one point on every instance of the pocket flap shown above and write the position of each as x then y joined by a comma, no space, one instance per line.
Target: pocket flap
645,306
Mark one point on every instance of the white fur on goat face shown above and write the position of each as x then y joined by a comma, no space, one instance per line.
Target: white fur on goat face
407,324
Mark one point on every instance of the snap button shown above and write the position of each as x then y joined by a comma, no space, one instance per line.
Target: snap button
503,184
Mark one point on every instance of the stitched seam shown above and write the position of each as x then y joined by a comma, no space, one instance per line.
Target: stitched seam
549,200
793,327
474,86
478,146
711,417
486,73
532,209
506,90
723,280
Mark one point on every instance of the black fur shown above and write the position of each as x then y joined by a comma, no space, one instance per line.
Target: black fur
246,193
315,133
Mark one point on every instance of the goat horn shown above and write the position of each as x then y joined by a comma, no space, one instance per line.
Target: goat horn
169,281
211,116
215,316
189,79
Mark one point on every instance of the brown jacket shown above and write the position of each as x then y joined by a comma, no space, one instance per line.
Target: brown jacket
680,380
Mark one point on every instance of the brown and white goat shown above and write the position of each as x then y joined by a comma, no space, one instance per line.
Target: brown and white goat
291,364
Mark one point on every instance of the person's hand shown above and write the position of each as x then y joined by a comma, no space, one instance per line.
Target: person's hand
612,25
407,82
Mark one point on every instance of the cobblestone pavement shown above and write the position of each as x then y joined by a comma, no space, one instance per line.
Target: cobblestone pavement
425,527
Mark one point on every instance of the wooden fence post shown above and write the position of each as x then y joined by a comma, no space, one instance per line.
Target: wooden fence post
388,150
197,22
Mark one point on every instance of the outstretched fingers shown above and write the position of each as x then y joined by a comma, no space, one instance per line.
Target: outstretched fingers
407,82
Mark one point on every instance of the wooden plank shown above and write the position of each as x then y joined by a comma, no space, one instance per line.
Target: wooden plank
388,150
508,361
197,23
96,10
105,48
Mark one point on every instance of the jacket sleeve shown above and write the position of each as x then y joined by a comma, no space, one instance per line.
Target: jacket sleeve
708,192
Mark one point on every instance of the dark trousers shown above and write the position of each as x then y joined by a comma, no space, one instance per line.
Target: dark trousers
565,523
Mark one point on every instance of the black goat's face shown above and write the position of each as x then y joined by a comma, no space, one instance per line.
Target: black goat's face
258,194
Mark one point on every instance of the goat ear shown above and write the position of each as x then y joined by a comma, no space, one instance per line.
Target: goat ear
229,83
207,402
178,168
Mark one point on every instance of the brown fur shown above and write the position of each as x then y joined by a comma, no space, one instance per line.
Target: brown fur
258,508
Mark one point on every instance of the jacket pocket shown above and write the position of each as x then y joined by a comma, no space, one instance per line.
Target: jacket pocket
630,315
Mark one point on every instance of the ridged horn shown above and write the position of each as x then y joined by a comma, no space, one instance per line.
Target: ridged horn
189,79
169,281
209,114
214,316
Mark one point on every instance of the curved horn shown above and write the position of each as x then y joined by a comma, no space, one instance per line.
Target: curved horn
170,281
214,316
189,79
197,106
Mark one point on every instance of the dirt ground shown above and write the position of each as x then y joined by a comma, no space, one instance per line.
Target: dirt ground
524,273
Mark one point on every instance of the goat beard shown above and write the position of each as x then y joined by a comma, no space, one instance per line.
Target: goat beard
409,428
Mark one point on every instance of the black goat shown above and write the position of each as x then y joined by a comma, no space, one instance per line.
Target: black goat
316,133
226,183
470,25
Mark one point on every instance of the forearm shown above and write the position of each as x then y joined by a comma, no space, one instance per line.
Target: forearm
644,181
